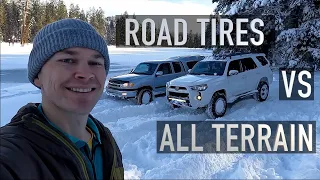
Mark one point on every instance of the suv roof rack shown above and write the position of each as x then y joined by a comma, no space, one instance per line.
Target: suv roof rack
225,55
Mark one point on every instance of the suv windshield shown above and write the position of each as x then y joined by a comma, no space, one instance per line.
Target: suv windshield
145,68
209,68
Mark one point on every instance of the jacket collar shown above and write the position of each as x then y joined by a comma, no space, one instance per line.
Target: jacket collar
28,115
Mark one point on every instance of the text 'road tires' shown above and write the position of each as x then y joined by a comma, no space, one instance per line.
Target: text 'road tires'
263,92
144,96
217,106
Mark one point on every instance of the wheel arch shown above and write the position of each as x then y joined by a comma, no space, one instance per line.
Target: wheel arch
263,79
145,87
221,91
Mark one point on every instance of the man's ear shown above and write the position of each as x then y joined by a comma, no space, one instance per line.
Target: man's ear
37,82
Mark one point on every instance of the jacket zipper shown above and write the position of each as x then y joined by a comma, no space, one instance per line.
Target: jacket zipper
82,163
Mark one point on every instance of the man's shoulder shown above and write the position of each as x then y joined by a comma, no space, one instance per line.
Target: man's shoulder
25,112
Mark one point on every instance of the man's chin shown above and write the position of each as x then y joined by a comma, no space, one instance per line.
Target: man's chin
80,108
81,111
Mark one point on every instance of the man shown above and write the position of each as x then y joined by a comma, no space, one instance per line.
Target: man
58,138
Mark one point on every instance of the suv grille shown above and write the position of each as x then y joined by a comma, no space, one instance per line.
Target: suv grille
115,83
175,94
177,88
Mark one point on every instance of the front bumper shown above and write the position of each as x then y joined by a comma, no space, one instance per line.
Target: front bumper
121,93
185,97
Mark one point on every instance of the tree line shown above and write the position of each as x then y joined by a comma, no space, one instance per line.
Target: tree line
39,14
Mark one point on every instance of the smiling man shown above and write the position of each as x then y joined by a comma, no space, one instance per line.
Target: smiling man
59,138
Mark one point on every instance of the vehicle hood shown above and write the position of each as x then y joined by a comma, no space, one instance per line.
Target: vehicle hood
130,77
191,80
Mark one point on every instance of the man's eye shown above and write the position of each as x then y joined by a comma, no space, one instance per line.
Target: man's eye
67,60
95,63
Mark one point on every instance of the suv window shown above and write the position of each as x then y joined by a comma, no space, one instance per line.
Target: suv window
248,64
234,65
262,60
190,64
165,68
176,67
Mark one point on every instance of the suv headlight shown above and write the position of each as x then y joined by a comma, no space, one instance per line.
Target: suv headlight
201,87
127,85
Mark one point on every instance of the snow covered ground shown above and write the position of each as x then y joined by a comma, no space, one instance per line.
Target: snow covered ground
134,127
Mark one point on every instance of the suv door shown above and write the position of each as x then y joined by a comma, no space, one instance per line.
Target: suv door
251,72
264,69
236,83
160,81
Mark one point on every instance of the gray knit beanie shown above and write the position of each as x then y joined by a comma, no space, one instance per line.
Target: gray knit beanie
63,34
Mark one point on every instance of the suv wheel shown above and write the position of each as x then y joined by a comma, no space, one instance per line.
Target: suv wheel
217,106
263,91
144,96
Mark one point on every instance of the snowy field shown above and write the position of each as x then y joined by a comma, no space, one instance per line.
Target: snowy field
134,127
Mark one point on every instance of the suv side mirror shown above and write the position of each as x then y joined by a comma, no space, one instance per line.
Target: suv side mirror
131,70
159,73
189,70
233,72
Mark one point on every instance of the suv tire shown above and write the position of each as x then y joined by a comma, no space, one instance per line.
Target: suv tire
144,96
217,106
263,92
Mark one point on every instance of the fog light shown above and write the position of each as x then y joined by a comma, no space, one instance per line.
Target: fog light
124,94
199,97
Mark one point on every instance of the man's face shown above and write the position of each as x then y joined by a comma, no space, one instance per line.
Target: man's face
73,80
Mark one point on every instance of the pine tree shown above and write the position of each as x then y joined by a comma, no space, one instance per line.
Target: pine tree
50,12
61,10
208,33
74,11
190,41
110,23
13,21
83,16
91,16
36,17
3,14
26,27
100,22
120,29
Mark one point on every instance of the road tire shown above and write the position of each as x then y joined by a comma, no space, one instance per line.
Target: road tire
263,92
144,96
217,106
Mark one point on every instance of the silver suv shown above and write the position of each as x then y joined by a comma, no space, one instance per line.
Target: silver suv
218,80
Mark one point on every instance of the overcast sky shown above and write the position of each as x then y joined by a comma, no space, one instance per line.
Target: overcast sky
148,7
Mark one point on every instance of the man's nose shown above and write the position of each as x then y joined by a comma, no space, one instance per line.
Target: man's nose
84,72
